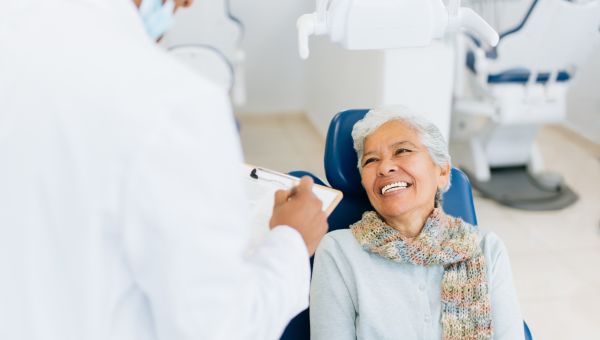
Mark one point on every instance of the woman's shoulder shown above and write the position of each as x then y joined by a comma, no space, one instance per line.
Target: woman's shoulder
489,239
339,242
491,244
340,237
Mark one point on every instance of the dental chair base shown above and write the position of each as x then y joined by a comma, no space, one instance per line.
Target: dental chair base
517,188
504,164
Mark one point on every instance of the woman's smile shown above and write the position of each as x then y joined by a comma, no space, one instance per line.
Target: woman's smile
394,188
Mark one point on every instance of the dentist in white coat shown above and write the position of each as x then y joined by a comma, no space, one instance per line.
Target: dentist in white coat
122,214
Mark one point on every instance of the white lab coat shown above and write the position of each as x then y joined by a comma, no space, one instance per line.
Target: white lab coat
122,214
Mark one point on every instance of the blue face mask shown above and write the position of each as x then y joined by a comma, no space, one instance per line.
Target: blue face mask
157,17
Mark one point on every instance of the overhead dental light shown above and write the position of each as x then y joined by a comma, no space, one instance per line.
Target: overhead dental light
383,24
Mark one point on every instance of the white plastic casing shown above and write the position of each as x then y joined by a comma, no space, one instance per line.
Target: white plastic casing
382,24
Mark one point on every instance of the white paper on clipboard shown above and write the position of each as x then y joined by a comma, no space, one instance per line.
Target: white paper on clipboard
260,189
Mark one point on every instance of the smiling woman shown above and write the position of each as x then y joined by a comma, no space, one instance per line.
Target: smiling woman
407,270
399,175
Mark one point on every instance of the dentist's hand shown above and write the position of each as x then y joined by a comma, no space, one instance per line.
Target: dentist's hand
300,209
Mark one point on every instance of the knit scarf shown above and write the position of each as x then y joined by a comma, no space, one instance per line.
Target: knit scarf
446,241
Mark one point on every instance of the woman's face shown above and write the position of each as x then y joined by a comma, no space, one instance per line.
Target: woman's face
398,174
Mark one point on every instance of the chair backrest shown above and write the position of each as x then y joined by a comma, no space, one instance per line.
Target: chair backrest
554,36
342,174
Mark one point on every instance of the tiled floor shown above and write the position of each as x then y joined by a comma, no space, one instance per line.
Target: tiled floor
555,255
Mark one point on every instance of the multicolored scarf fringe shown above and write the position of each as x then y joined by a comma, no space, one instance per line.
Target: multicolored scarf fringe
451,243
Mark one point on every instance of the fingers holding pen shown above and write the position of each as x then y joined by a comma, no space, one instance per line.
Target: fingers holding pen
304,190
301,209
281,196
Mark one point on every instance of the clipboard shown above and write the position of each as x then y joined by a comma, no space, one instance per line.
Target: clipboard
261,181
260,185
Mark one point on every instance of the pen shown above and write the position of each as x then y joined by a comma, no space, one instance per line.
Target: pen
255,174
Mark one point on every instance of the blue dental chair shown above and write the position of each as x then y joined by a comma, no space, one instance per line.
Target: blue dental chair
514,89
342,174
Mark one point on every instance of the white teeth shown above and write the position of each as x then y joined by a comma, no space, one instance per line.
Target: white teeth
393,187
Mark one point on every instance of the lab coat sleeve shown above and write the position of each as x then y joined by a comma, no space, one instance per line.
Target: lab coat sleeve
185,232
332,312
506,314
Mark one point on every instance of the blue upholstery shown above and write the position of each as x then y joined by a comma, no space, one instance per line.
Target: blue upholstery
526,329
301,173
521,75
299,327
515,75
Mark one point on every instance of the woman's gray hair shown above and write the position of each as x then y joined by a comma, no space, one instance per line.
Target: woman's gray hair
429,134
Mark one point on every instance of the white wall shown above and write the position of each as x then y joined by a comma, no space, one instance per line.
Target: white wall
583,100
274,72
419,78
337,79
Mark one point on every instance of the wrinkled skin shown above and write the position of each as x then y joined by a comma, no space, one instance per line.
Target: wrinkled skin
394,153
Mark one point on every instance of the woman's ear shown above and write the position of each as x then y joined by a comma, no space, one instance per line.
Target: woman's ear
444,177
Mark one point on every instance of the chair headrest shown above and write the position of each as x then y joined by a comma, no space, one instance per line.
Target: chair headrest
340,157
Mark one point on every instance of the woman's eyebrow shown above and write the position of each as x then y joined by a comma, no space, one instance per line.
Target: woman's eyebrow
394,145
400,143
368,153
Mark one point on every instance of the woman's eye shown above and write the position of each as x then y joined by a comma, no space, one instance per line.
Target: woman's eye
401,151
369,160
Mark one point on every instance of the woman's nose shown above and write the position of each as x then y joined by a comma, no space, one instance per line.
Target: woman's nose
386,167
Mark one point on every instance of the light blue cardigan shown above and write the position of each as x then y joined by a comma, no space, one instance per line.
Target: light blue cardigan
359,295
